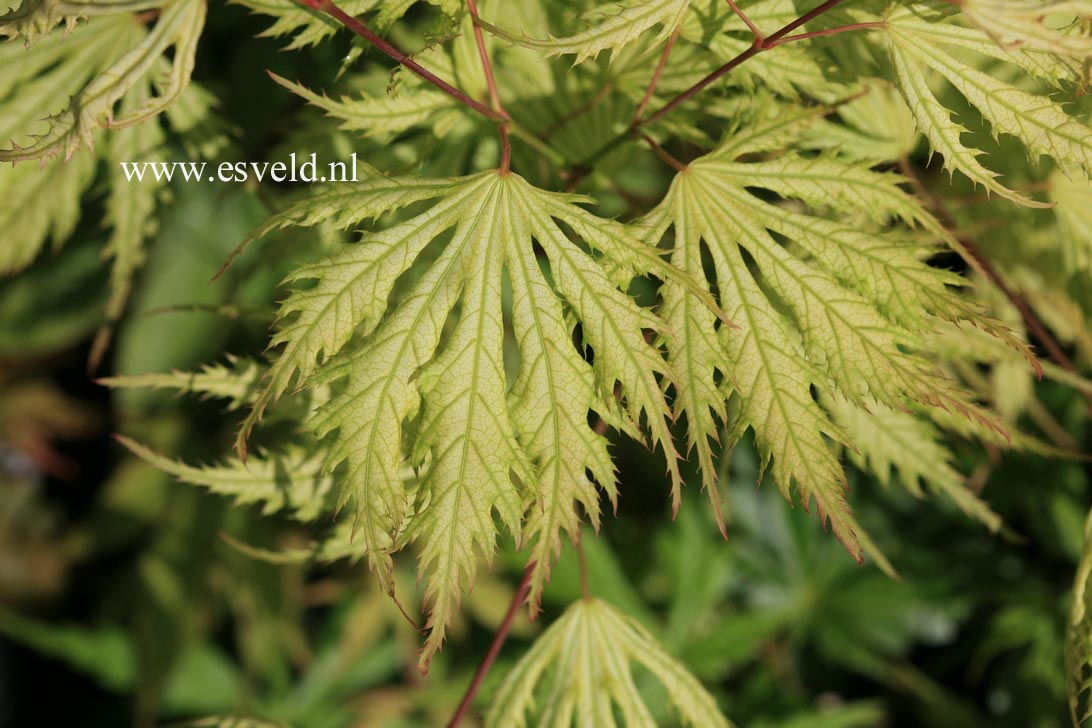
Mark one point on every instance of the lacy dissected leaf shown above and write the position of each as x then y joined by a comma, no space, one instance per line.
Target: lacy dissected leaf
584,662
1078,640
1070,196
38,204
376,116
236,381
485,448
1010,385
622,24
339,544
292,481
41,202
33,18
93,106
130,208
35,81
892,442
308,27
841,306
877,126
918,45
1053,27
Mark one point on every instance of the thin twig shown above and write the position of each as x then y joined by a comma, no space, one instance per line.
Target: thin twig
655,78
491,83
802,20
825,33
662,153
479,40
761,43
494,648
746,21
328,7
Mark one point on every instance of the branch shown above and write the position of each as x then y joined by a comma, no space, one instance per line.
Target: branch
328,7
494,648
746,21
662,153
655,77
761,43
490,81
826,32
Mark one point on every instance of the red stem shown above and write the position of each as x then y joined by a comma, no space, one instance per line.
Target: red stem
746,21
761,43
802,20
490,81
700,85
824,33
494,648
655,78
328,7
479,40
506,147
662,153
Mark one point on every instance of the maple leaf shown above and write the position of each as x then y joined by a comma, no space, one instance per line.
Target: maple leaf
588,651
486,448
917,45
839,306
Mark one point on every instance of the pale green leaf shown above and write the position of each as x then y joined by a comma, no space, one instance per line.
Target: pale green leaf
584,662
1070,195
130,209
1042,25
291,482
1037,121
376,116
39,203
623,23
177,29
235,381
432,364
341,544
876,126
33,18
836,308
890,442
